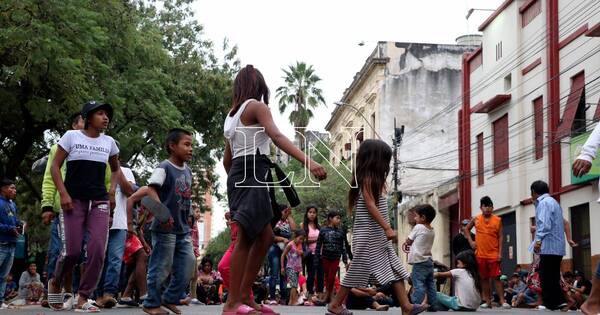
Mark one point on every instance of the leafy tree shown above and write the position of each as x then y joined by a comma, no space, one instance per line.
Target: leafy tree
218,245
146,58
301,91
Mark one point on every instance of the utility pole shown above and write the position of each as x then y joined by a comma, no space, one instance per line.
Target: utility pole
397,141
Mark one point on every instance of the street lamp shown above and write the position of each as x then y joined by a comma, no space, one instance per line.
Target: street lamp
474,9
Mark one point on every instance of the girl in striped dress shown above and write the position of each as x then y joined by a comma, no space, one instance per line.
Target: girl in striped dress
374,257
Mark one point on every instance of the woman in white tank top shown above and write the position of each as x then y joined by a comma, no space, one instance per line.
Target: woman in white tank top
249,130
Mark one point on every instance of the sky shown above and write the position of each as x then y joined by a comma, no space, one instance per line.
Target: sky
273,34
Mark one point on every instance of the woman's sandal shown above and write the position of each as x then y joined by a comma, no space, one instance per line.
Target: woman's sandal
56,299
344,311
242,310
87,307
267,310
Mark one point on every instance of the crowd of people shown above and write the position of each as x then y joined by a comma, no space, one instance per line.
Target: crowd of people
113,243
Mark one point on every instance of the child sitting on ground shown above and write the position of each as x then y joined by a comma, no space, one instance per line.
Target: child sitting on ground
466,283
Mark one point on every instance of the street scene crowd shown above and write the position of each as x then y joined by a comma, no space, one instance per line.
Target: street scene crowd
116,244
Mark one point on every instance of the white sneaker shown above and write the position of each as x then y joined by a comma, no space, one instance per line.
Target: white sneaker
485,305
540,308
506,306
68,304
4,306
196,302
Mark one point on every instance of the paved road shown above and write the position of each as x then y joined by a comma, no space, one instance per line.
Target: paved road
287,310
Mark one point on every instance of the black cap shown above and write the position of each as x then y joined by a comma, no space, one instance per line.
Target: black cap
93,106
6,182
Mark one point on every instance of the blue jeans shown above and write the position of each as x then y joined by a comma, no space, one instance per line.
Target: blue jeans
598,271
111,273
274,256
423,284
450,302
171,254
7,254
54,247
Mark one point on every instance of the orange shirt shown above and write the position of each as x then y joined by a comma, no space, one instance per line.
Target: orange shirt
487,236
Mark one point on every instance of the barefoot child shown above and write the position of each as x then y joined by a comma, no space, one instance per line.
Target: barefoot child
249,129
293,253
171,184
374,255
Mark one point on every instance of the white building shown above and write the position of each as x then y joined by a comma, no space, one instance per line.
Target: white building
531,88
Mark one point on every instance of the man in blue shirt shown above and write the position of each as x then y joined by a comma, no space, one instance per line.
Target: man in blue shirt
10,229
549,243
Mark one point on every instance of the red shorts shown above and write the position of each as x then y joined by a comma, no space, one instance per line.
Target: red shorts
488,268
132,245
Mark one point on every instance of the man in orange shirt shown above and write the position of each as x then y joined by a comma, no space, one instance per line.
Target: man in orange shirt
488,250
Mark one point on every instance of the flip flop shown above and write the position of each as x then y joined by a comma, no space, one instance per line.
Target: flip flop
87,307
55,299
267,310
242,310
418,309
344,311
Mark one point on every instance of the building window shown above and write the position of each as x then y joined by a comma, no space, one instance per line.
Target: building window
501,144
529,11
538,121
499,51
507,82
573,120
480,170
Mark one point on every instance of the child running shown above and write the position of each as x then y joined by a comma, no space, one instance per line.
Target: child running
420,241
466,284
374,255
249,129
293,253
84,201
330,246
172,251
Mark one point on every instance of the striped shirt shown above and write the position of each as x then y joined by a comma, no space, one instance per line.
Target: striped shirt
549,225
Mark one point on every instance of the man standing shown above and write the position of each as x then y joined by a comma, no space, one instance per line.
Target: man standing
549,243
460,243
488,250
10,229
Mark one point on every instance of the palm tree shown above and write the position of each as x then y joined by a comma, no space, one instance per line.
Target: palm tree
300,90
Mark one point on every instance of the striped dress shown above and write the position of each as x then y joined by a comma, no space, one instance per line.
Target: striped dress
375,260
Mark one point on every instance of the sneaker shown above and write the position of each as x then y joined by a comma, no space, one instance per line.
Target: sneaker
127,302
196,302
144,297
4,306
68,301
506,306
540,308
485,305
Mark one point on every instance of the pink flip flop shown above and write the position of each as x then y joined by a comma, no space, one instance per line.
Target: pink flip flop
242,310
267,310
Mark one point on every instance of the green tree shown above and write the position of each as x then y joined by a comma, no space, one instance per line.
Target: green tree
147,58
301,91
218,245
